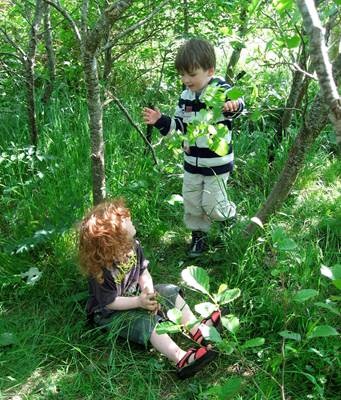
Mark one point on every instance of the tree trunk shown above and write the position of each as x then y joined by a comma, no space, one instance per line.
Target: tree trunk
186,18
29,72
312,126
51,60
229,75
96,125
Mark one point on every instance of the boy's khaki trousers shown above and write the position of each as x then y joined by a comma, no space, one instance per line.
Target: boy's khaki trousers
205,200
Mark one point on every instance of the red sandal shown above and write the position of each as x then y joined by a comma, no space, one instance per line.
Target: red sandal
215,319
202,357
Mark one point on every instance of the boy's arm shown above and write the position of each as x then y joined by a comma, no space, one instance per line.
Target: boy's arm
145,300
146,281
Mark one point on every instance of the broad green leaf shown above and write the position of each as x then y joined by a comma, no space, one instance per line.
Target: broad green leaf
304,295
175,315
328,307
226,347
167,327
234,93
227,296
286,244
255,116
253,343
337,2
230,322
293,42
291,335
7,339
205,309
283,5
337,283
323,331
222,288
197,278
211,333
221,148
226,391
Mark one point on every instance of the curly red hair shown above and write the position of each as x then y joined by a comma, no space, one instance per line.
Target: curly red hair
102,240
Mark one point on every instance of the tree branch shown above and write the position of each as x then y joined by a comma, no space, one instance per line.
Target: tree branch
67,16
111,98
110,44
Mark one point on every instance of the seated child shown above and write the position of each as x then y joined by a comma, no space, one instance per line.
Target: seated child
121,286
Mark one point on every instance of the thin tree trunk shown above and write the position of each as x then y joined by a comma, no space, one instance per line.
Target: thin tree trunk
96,126
51,60
235,56
321,63
29,72
312,126
186,18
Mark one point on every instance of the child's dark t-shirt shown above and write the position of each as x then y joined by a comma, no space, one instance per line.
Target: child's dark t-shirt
122,281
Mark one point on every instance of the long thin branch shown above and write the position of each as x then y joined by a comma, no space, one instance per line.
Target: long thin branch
12,42
111,98
67,16
132,28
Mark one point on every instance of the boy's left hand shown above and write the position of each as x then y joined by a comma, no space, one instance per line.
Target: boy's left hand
231,106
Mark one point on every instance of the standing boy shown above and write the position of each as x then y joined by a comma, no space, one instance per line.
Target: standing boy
205,172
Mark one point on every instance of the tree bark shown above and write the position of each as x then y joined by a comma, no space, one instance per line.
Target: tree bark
235,56
29,72
51,60
321,62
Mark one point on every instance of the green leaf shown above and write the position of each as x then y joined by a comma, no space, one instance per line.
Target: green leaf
205,309
230,322
197,278
7,339
304,295
323,331
234,93
333,273
227,296
283,5
226,391
221,148
328,307
293,42
167,327
253,343
286,244
291,335
253,7
337,2
256,115
211,333
226,347
175,315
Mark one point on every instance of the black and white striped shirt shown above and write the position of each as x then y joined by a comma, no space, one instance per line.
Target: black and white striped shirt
198,158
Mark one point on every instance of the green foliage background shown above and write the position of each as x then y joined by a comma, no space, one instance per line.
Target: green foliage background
46,349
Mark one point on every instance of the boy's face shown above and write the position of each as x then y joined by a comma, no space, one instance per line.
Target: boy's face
197,79
128,226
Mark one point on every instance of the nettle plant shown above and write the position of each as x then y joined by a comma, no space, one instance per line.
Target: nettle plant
205,123
197,279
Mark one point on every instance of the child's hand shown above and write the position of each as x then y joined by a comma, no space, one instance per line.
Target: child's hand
148,301
231,106
151,116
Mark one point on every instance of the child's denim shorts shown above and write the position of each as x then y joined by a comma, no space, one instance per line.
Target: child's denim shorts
137,325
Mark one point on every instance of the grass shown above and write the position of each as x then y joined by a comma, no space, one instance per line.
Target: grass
52,354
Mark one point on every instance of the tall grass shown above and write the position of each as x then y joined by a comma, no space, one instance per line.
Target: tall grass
52,354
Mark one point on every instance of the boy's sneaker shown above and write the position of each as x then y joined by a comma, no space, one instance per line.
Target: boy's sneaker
198,244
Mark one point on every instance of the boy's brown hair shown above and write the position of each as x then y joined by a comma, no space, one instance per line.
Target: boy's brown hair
194,54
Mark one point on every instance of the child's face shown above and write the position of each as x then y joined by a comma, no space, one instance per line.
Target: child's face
197,79
128,226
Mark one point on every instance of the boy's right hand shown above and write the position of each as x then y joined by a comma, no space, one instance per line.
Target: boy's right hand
148,301
150,116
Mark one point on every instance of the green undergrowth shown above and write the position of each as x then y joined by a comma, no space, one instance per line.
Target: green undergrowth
49,352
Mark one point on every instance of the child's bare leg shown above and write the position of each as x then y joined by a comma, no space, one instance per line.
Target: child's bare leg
165,345
187,315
